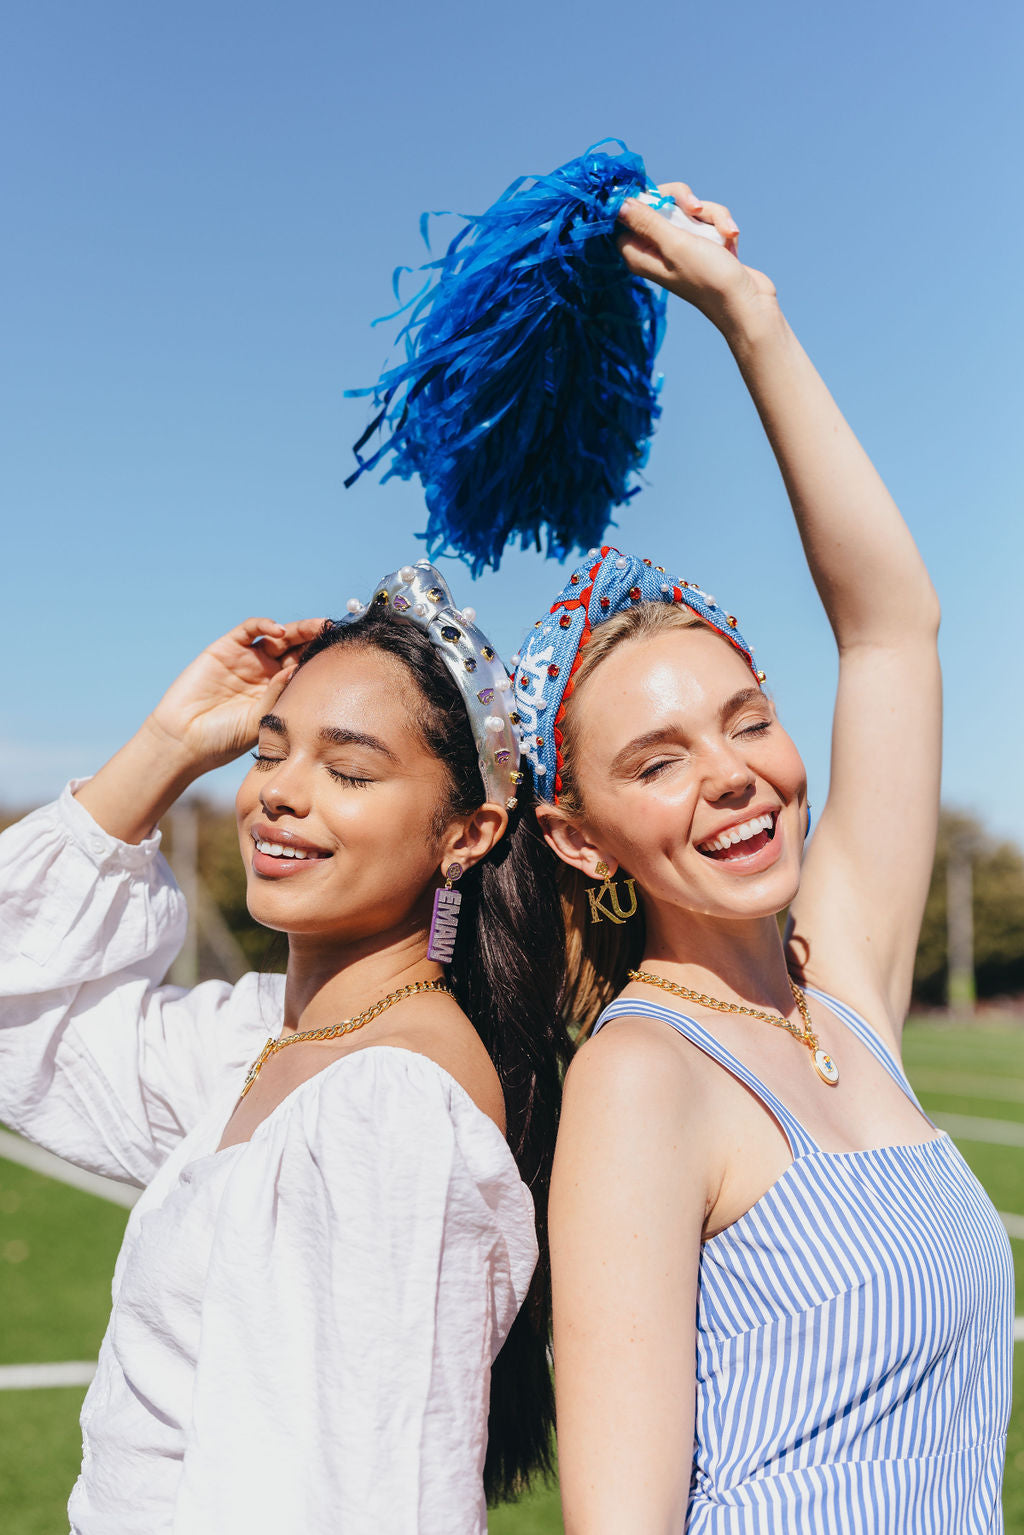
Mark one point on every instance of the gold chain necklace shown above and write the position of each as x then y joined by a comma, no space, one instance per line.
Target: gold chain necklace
335,1030
823,1063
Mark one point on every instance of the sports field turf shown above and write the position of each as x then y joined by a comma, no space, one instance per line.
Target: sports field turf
57,1250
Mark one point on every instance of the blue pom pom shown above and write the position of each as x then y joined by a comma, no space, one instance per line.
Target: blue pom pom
526,399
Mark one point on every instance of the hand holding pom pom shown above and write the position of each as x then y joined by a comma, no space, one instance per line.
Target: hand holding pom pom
526,399
705,274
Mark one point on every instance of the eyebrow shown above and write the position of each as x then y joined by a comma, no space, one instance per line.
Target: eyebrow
740,700
330,735
668,733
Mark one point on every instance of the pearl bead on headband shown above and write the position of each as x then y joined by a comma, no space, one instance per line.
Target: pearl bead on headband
420,593
607,583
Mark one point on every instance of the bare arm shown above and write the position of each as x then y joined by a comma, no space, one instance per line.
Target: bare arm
207,717
855,923
628,1200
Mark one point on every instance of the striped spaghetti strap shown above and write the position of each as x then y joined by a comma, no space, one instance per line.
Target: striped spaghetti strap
800,1143
871,1039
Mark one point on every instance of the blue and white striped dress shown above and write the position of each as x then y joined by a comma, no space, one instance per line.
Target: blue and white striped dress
854,1337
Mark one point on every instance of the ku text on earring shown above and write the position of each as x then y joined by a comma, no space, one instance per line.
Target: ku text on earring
609,890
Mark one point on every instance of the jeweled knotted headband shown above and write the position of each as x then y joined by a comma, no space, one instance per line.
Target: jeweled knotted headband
608,582
420,593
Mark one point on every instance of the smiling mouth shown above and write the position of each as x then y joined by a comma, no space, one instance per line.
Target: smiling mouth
740,841
285,850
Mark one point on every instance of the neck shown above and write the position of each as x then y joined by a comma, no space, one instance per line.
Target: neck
328,982
733,961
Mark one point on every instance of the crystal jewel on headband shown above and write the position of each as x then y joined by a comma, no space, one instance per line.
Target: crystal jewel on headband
527,396
420,593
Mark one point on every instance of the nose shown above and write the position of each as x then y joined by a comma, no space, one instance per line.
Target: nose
727,775
284,790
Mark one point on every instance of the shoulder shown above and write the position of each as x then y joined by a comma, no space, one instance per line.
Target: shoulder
393,1103
634,1156
383,1152
388,1131
636,1059
635,1093
441,1034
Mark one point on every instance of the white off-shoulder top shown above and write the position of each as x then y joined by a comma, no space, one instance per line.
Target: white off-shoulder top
303,1325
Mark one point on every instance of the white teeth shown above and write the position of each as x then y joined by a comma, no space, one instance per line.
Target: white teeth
738,834
279,850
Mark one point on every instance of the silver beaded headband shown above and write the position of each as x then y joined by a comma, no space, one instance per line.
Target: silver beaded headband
420,593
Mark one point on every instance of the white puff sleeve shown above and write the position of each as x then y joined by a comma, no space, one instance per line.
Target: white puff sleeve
375,1242
98,1062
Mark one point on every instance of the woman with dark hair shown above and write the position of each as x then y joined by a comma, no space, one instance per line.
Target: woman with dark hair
326,1312
782,1301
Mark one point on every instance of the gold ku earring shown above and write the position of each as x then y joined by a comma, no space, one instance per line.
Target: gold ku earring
609,890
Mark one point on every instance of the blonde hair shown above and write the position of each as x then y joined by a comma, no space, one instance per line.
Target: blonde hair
598,955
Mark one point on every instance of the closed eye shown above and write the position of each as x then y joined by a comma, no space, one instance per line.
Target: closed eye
349,778
756,730
263,763
654,769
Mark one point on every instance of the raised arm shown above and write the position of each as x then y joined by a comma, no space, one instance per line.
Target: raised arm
207,717
99,1061
855,924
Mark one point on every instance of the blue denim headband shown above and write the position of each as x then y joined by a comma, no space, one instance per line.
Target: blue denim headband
606,583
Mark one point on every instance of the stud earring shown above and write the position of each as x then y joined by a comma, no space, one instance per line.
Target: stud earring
609,890
444,924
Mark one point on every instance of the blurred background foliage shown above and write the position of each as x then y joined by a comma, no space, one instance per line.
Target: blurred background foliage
998,907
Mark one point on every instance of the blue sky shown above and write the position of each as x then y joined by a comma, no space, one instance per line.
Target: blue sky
204,204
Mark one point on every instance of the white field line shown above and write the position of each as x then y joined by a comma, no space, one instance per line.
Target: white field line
996,1132
32,1377
14,1149
954,1083
28,1377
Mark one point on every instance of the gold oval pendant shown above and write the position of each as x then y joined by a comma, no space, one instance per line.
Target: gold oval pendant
826,1067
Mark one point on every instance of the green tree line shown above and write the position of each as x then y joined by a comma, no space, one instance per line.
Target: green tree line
998,906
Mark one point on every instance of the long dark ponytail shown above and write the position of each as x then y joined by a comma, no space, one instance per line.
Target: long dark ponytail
507,974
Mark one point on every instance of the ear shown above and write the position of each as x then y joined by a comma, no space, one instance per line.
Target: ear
468,840
570,842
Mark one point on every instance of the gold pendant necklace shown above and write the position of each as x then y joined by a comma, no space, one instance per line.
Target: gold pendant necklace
822,1062
335,1030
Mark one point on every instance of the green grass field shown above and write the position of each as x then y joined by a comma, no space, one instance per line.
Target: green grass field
57,1251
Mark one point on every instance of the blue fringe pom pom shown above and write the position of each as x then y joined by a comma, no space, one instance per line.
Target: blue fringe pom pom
527,398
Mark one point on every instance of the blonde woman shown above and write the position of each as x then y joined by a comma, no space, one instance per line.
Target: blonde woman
782,1300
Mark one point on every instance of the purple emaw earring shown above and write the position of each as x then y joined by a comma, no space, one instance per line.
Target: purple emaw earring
444,924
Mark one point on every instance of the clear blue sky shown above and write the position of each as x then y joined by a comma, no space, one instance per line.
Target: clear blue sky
203,204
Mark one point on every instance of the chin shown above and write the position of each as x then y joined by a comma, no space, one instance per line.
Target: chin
746,897
282,907
767,902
